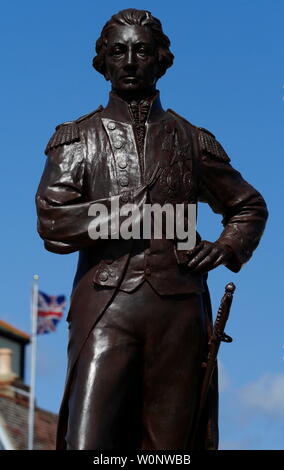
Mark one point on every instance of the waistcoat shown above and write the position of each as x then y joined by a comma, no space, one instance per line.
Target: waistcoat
140,147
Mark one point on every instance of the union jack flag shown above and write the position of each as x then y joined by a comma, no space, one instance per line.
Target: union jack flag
50,311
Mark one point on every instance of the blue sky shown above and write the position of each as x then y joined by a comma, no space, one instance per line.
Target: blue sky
228,77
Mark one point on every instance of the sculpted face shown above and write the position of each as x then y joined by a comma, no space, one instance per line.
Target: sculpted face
131,59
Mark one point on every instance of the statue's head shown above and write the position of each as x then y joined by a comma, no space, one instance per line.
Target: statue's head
132,51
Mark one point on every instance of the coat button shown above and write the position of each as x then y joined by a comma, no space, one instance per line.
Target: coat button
124,197
123,181
111,126
147,251
148,271
118,144
103,276
122,163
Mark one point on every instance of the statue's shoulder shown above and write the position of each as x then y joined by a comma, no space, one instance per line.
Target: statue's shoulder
207,141
68,132
180,118
188,123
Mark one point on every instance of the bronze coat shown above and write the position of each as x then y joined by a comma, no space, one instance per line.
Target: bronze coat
182,163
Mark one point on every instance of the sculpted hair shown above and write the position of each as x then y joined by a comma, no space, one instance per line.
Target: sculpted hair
131,17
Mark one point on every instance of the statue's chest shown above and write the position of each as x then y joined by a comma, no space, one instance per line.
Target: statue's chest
168,152
164,161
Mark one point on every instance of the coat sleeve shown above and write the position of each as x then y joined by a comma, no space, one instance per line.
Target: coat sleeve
62,213
63,218
223,188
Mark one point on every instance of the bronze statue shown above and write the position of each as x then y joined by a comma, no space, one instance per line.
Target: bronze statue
140,318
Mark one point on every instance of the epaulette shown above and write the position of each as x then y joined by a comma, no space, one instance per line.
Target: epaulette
68,132
211,146
206,130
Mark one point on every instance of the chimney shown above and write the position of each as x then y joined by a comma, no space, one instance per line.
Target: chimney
7,377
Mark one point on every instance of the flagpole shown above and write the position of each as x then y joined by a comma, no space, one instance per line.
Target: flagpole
34,312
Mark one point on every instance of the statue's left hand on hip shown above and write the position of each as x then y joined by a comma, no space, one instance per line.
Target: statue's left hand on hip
208,255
